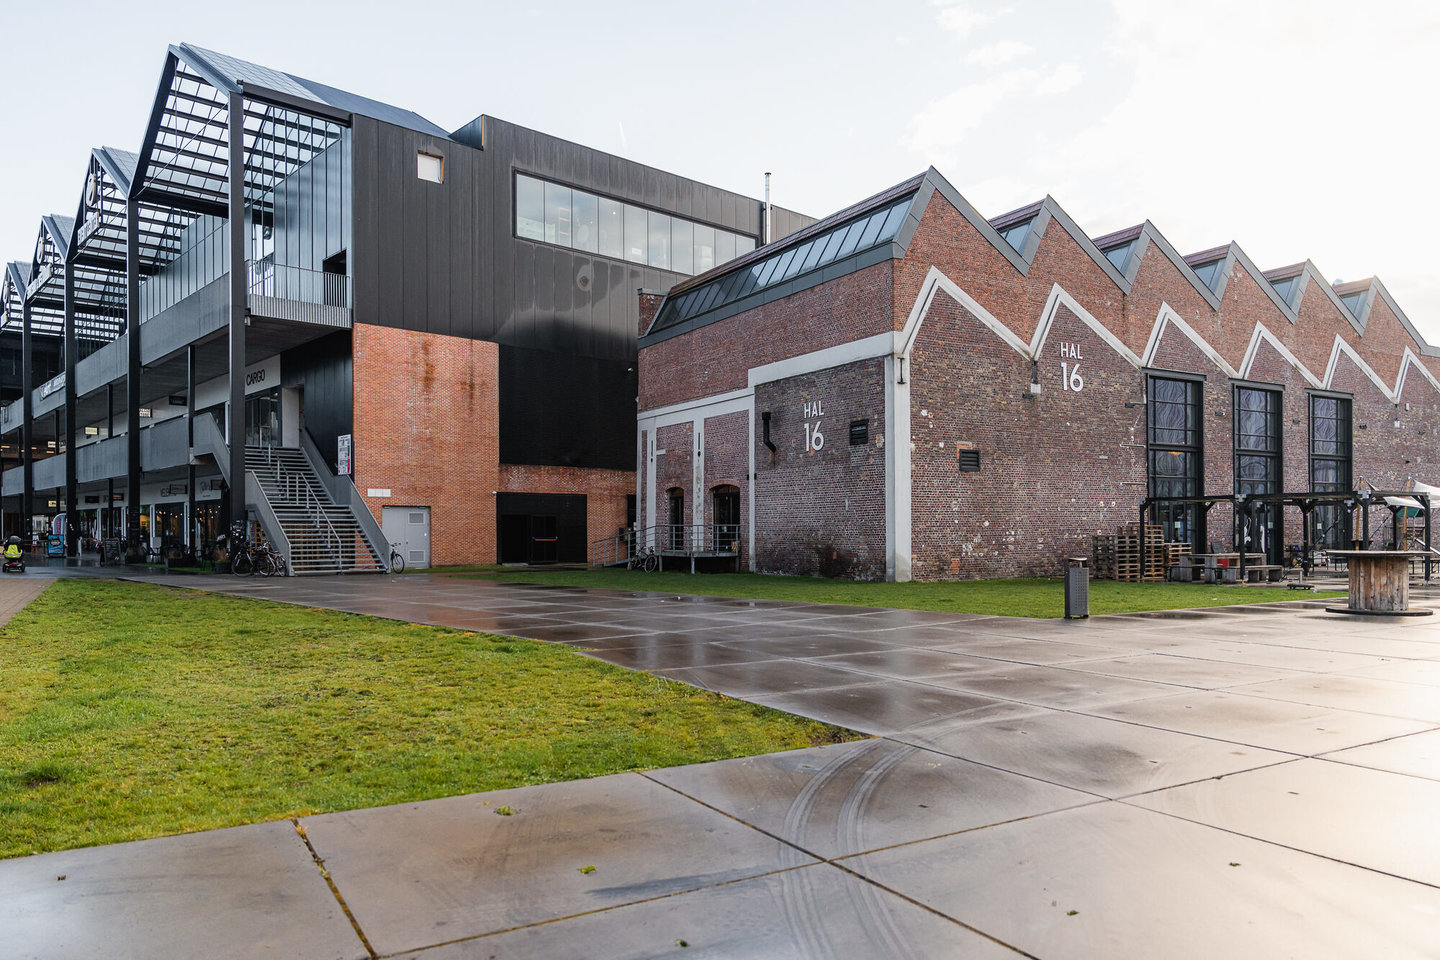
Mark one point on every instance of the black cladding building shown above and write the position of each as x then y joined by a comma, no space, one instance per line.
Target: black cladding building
393,334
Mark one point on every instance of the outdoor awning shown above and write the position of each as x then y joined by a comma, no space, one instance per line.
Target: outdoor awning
1411,506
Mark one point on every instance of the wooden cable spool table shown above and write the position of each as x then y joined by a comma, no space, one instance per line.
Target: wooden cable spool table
1379,582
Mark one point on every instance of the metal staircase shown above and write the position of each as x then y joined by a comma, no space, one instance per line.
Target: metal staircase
323,536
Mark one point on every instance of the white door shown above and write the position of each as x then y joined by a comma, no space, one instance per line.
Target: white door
408,530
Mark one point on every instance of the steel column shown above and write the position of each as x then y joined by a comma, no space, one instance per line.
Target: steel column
132,375
27,413
238,312
191,540
72,498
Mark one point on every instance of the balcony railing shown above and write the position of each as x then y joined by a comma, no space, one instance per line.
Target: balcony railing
269,279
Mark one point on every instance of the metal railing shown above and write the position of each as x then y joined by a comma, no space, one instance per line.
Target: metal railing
688,539
297,488
269,279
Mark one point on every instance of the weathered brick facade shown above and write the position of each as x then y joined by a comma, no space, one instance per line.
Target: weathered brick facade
1057,465
436,395
834,495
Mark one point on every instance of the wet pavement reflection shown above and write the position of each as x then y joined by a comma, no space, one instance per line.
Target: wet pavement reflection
1251,781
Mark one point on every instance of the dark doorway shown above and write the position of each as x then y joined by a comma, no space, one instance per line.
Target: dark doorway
541,528
675,539
727,516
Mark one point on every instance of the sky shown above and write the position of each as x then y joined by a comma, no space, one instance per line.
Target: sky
1296,129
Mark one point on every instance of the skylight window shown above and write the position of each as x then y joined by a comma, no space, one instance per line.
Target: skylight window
1354,302
1209,273
1120,256
1286,288
1017,234
865,232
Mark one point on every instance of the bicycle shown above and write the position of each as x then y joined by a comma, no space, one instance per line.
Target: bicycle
644,559
397,561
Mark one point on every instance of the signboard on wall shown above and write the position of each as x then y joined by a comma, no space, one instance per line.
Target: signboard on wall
343,457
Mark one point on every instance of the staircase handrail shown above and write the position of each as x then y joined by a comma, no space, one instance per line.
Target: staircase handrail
343,492
257,501
209,438
300,489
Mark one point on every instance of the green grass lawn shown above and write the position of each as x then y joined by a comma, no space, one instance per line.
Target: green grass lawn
130,711
1011,598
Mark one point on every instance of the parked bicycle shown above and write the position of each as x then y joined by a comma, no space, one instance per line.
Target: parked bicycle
248,559
645,558
397,560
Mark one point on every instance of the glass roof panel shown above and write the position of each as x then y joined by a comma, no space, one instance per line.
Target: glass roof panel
1016,235
1120,256
867,230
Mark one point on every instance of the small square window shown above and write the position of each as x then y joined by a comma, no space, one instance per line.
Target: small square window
969,460
859,432
430,167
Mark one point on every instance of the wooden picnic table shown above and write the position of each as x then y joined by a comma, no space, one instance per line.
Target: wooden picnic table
1209,565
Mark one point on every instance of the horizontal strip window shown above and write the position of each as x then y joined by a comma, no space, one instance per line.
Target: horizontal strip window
566,217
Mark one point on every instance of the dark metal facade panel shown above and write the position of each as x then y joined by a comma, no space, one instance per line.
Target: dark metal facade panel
561,409
326,370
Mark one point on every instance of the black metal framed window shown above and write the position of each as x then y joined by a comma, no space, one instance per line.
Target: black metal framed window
1330,466
1175,455
566,216
1258,464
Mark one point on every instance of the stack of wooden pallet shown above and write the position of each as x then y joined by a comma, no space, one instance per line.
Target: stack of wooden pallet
1118,557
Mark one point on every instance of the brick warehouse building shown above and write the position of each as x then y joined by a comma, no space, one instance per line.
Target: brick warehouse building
390,331
907,390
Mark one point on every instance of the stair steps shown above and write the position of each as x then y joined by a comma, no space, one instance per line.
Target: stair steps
324,536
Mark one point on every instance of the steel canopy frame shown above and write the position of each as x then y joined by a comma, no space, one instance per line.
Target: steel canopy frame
222,135
1307,501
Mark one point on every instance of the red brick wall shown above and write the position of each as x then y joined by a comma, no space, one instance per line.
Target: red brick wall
1056,468
822,511
426,429
715,358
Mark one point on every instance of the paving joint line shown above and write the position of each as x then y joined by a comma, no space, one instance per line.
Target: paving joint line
334,890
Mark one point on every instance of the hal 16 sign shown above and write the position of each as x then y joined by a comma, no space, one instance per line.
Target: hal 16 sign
1070,379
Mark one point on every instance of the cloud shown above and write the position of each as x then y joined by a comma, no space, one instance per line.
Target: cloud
944,122
998,54
1062,79
962,20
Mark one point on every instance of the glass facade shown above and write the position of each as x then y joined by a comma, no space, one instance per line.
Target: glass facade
1209,273
867,231
1174,449
1330,434
566,217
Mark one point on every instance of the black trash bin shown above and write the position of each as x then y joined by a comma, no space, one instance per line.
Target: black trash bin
1077,587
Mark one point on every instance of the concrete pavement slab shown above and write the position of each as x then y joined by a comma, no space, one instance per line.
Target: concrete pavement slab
1387,698
1183,671
1052,686
427,873
244,892
847,798
1104,757
1297,728
1370,818
886,707
745,680
1415,755
807,913
1114,882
